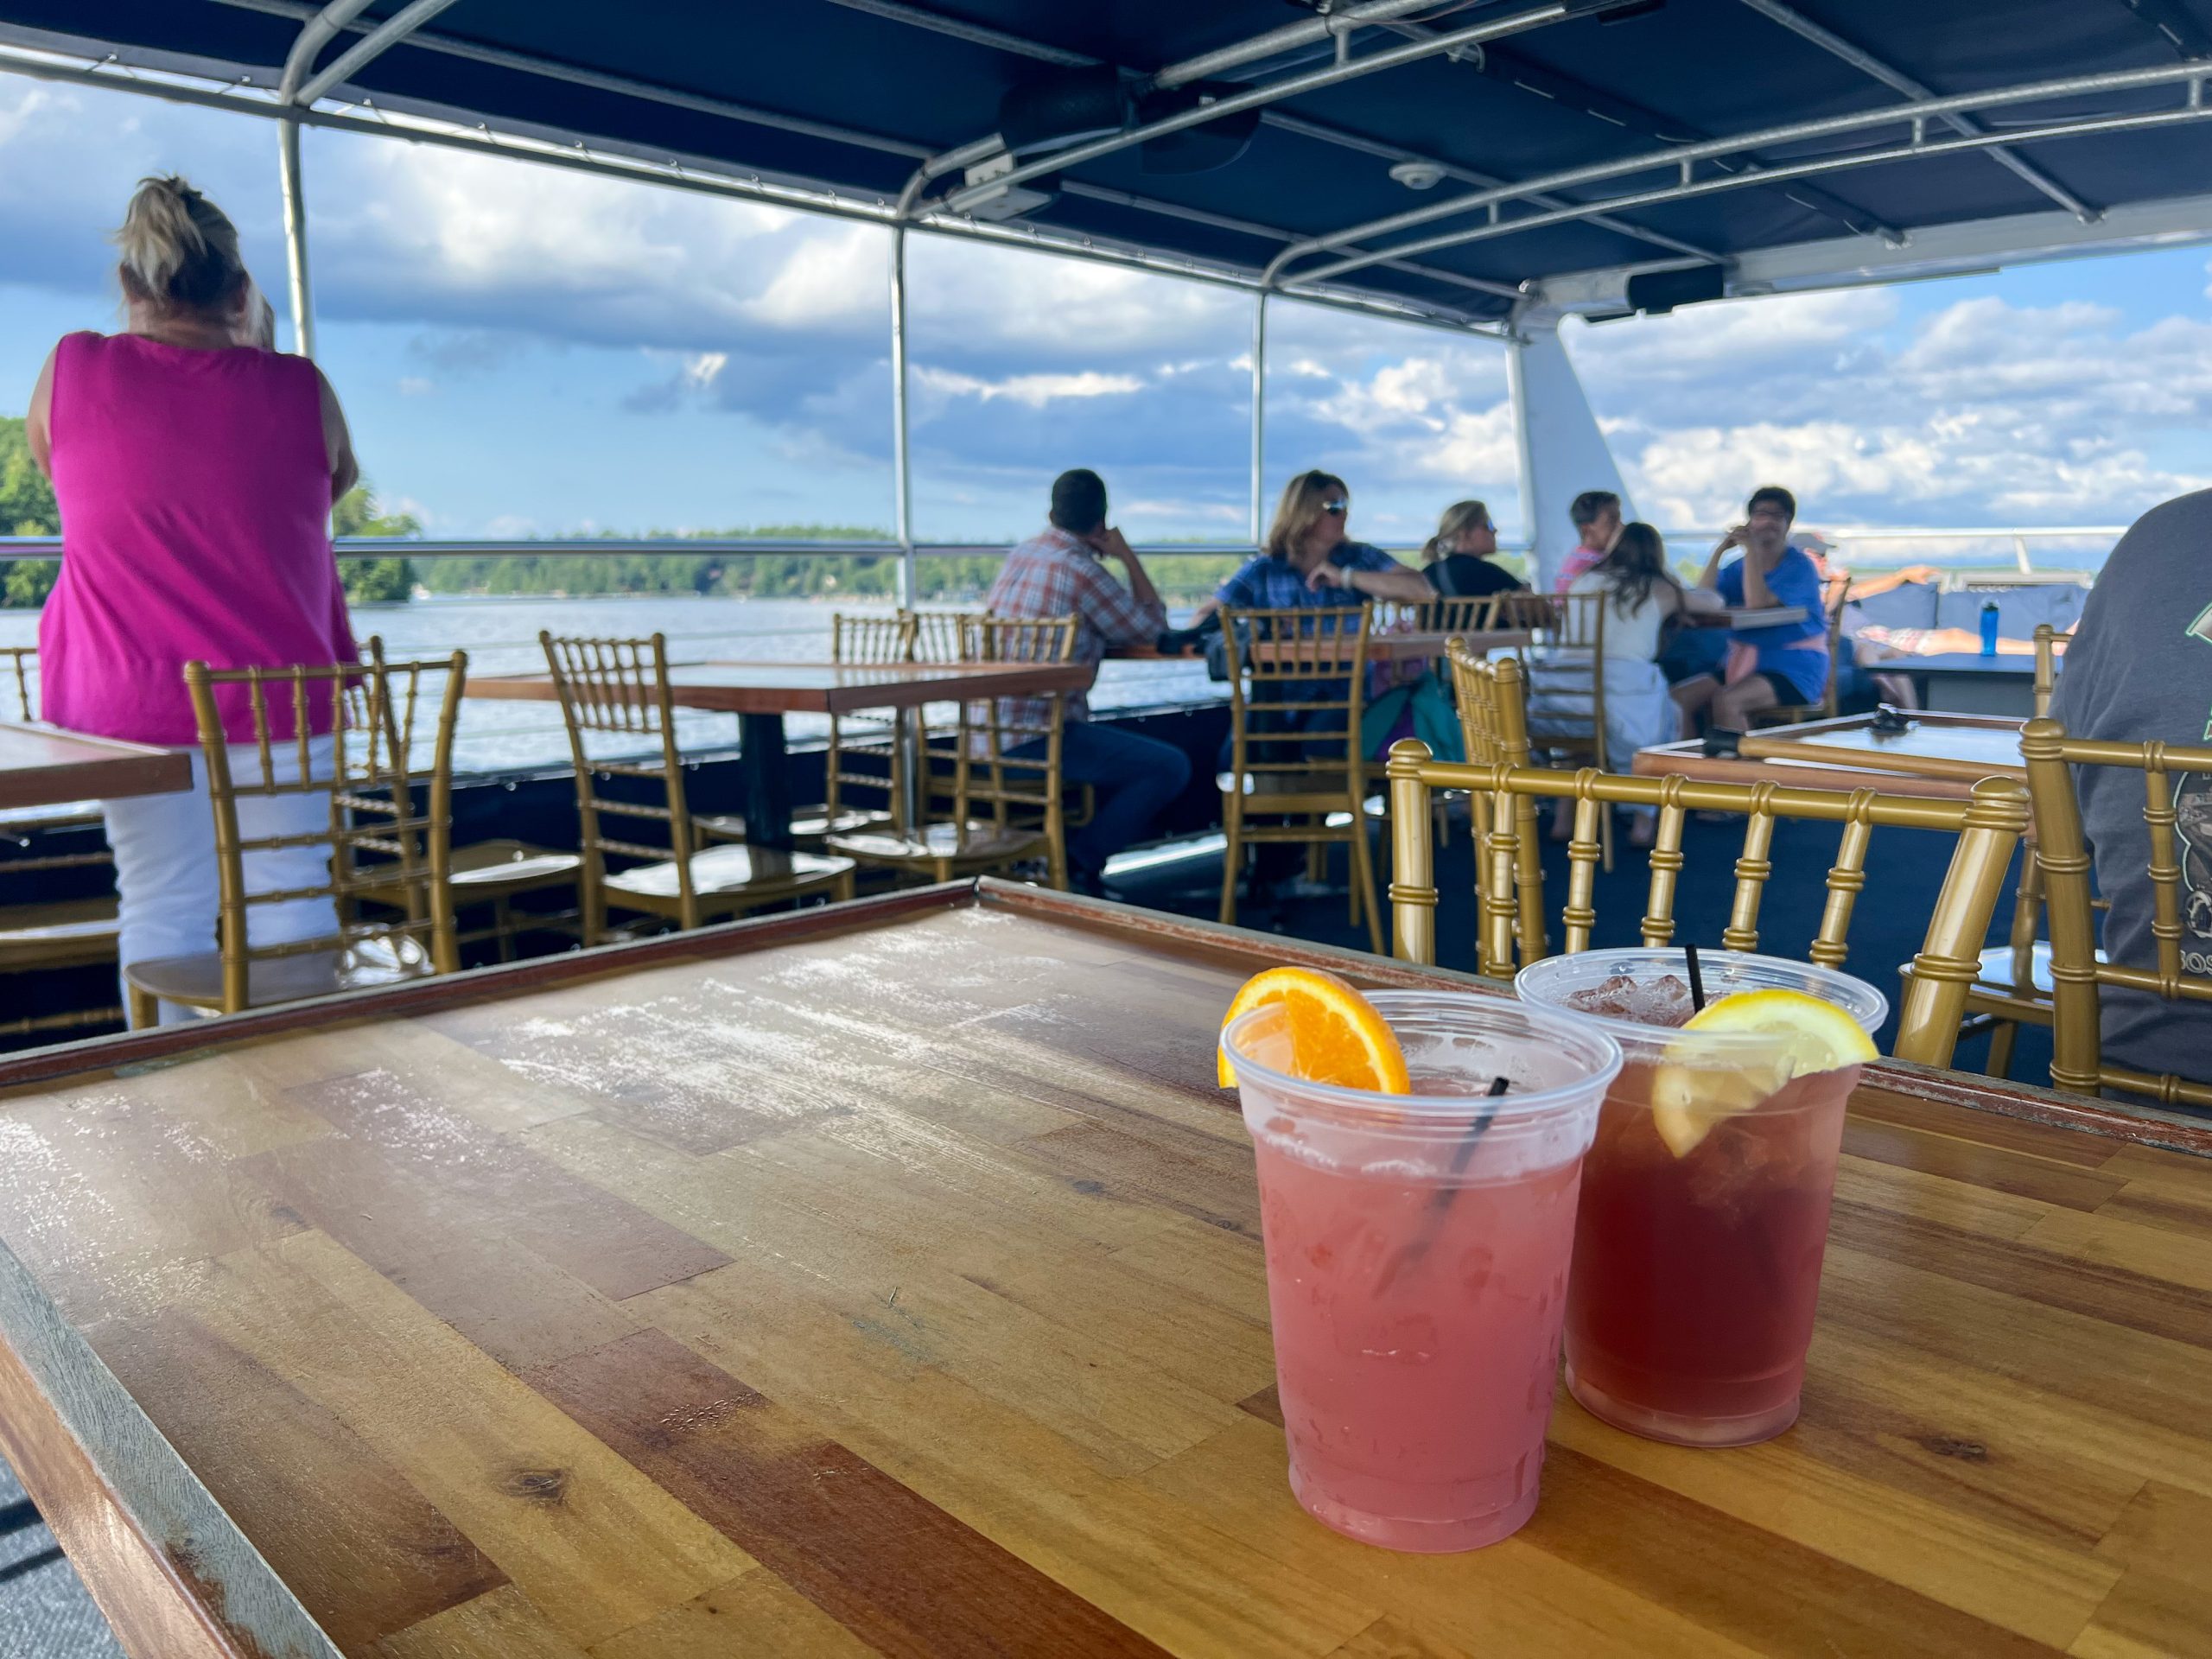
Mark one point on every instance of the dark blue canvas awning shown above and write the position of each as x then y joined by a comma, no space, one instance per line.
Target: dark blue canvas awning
857,95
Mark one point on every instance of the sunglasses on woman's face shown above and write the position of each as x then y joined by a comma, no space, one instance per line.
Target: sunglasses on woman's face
1339,508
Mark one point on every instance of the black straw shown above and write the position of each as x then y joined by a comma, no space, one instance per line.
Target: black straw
1697,979
1440,1204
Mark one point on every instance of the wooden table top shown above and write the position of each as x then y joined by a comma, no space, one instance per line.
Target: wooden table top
1747,616
825,688
1425,645
1939,756
891,1279
1409,647
45,766
1964,747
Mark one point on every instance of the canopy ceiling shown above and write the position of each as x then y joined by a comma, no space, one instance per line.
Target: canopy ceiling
856,95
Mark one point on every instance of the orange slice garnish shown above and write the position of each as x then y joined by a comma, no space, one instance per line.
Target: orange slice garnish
1336,1035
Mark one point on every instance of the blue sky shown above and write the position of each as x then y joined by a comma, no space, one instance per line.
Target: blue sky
523,351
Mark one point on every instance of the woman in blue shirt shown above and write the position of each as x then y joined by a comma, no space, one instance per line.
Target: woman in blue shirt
1789,661
1309,561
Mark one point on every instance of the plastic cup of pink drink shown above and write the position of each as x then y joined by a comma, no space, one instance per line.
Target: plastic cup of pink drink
1697,1268
1417,1252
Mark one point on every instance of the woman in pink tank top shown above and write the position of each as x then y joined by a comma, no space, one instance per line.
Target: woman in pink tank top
194,471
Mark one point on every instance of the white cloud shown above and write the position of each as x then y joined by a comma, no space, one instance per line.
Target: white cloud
1980,411
415,386
1032,390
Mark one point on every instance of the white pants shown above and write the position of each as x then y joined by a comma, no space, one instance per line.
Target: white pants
1639,708
165,875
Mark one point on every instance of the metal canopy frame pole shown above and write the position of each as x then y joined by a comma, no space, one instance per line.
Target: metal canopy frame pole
295,236
297,89
1683,157
370,47
1259,412
902,463
315,34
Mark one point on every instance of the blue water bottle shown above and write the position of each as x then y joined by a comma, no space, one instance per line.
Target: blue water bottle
1989,627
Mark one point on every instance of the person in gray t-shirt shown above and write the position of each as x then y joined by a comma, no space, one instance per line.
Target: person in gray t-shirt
2139,668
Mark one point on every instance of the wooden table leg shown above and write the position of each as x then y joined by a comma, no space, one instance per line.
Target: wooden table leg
767,782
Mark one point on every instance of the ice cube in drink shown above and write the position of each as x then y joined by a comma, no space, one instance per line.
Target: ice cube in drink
1697,1255
1417,1267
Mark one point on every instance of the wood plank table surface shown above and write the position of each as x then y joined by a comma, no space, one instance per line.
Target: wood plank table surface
45,766
761,694
1938,756
889,1279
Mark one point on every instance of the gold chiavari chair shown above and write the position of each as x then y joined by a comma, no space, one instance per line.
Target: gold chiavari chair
382,843
2078,970
1987,827
1443,615
2013,988
866,760
940,637
2046,679
1566,683
50,935
1297,684
619,688
1493,726
1003,811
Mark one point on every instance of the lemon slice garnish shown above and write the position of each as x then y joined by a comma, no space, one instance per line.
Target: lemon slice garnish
1688,1097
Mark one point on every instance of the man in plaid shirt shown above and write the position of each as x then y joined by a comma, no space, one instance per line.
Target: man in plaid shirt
1061,572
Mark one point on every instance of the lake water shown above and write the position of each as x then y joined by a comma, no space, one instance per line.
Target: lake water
500,636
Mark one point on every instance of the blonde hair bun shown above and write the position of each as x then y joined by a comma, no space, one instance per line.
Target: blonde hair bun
180,252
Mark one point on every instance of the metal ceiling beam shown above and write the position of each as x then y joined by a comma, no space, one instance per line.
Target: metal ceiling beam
1273,91
1684,157
1275,232
1616,111
1285,121
317,32
465,131
2194,111
916,17
372,46
1896,80
1937,250
2183,33
621,86
1328,26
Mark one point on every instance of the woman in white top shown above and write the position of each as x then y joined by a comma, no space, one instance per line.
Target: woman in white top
1643,596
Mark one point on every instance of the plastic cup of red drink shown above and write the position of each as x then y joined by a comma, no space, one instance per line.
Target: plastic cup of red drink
1417,1252
1697,1267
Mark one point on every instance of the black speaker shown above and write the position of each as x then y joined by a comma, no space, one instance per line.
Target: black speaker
1657,293
1058,107
1200,149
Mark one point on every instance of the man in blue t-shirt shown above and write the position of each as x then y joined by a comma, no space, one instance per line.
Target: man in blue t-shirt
1785,664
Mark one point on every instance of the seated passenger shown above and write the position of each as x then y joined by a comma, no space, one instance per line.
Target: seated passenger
1642,596
1308,562
1460,559
2140,669
1597,518
1061,572
1308,559
1768,667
